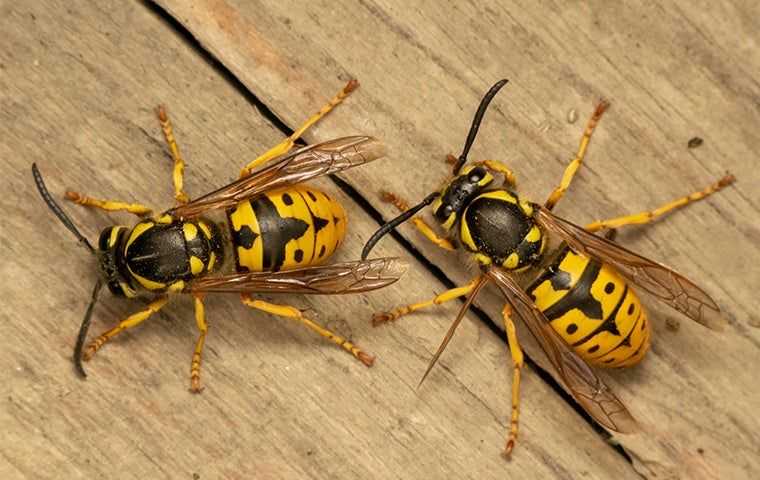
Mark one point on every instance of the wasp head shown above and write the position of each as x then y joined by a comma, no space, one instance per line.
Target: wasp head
110,244
458,193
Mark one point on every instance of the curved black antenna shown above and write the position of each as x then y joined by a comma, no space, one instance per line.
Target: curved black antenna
83,331
57,208
476,123
388,226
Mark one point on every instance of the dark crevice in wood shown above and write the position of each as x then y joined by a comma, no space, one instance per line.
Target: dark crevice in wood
360,200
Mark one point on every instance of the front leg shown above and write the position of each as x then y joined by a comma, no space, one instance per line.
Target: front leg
418,222
131,321
107,205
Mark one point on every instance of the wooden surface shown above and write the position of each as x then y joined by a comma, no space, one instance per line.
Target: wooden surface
78,85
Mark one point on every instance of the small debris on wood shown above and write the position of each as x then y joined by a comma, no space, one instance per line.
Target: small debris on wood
695,142
672,324
572,116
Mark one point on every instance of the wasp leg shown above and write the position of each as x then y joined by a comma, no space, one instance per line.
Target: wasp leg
108,205
648,216
496,166
576,163
285,146
448,295
493,165
517,362
195,364
296,314
418,222
179,163
131,321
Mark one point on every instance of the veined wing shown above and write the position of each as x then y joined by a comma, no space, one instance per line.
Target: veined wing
299,166
339,278
669,286
586,387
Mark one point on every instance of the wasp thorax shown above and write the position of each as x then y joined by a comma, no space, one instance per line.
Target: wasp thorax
458,193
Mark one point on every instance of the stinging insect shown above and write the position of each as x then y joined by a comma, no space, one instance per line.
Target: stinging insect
581,308
264,233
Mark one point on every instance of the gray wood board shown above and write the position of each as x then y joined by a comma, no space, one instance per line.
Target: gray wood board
79,82
672,72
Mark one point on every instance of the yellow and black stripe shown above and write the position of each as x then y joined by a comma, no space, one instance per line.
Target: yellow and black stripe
593,309
285,229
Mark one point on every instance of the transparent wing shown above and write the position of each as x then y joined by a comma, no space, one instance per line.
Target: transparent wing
588,389
339,278
296,167
657,279
454,325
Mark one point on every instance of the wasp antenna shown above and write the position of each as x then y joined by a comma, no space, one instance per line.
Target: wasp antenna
476,123
392,224
52,205
83,329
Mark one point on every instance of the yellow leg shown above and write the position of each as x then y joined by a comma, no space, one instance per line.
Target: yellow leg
285,146
448,295
648,216
131,321
418,222
108,205
195,365
179,164
496,166
517,362
296,314
573,167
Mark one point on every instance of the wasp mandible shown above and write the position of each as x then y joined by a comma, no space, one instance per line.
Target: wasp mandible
264,233
581,307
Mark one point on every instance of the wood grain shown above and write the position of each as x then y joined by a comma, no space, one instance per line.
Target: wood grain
79,84
671,71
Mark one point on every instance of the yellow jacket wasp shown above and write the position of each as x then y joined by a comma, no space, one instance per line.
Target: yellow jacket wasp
264,233
580,308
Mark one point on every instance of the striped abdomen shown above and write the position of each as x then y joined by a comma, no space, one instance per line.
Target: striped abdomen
286,229
594,310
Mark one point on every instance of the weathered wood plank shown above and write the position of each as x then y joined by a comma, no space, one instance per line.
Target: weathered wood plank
78,86
672,72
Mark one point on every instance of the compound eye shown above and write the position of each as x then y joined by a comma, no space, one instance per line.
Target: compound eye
448,210
115,288
105,236
477,175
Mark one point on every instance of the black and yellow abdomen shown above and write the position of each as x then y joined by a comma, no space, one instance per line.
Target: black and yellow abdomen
286,229
593,309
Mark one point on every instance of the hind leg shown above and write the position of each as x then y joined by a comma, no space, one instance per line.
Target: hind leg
296,314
